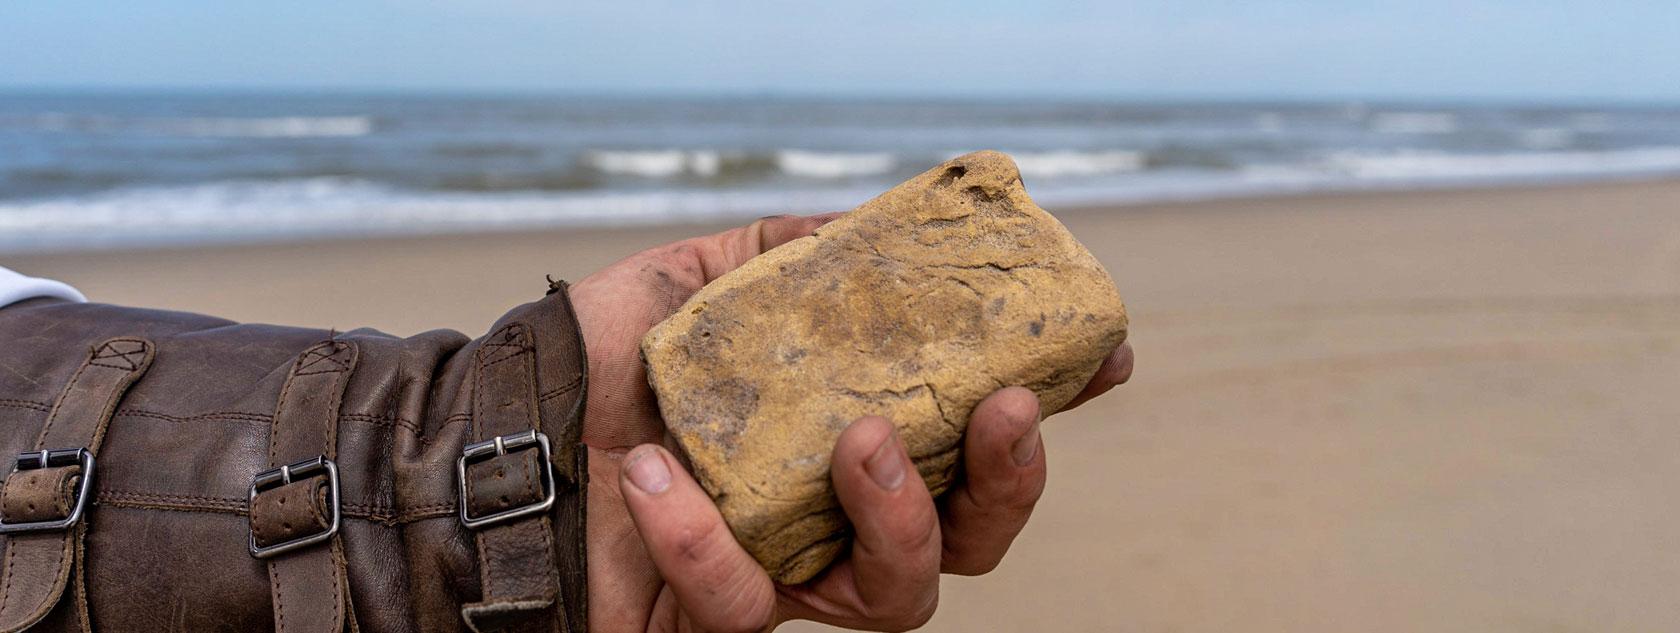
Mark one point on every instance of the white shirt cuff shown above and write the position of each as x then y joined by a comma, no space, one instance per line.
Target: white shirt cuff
15,287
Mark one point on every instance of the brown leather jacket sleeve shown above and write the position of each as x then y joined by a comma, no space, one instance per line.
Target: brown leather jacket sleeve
184,414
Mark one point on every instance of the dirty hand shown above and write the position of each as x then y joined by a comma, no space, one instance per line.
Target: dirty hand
661,557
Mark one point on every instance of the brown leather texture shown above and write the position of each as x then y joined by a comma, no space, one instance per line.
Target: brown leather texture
167,538
290,512
39,495
517,569
310,586
505,482
76,423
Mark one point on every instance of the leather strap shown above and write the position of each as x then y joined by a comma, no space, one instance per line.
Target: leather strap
517,566
40,565
310,586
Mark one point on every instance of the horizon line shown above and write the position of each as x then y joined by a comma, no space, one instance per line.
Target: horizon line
837,95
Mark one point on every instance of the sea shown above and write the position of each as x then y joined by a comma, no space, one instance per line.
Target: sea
101,170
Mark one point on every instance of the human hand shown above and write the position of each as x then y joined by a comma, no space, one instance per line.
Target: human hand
661,557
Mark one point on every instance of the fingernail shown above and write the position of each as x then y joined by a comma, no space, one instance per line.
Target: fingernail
1026,447
647,470
885,466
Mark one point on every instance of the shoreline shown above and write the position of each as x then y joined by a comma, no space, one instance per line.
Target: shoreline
703,224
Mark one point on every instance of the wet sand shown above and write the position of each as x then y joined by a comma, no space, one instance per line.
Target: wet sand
1435,411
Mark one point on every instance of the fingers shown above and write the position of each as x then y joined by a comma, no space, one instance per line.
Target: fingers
702,259
1003,457
719,586
730,249
895,550
1115,370
778,230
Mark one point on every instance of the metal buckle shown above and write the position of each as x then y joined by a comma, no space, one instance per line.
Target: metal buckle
487,449
56,458
271,479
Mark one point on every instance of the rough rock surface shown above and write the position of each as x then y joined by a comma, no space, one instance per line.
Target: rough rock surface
915,306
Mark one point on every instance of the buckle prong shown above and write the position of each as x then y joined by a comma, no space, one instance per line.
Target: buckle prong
497,447
56,458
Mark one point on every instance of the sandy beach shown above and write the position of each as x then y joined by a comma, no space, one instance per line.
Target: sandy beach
1427,411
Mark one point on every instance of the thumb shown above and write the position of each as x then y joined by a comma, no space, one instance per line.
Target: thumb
719,586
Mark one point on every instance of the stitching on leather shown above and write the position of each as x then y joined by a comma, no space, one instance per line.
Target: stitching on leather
514,356
313,357
279,598
359,510
386,421
220,505
236,506
109,350
242,416
25,404
6,590
274,429
215,415
53,415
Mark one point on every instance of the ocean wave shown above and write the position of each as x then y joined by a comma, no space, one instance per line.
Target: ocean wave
223,127
257,210
241,211
269,127
1413,165
1547,138
1414,122
834,165
655,163
1071,163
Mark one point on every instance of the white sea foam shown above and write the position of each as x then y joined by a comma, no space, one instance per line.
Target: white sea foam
1547,137
663,163
1422,165
270,127
1414,122
1071,163
234,211
834,165
239,211
223,127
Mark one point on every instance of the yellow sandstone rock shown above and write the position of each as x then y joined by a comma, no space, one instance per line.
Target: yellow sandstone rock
914,306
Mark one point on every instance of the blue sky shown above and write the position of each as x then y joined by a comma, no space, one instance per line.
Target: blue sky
1423,49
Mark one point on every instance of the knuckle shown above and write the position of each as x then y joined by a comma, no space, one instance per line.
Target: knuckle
1011,495
742,609
919,533
733,602
680,253
1024,494
695,543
